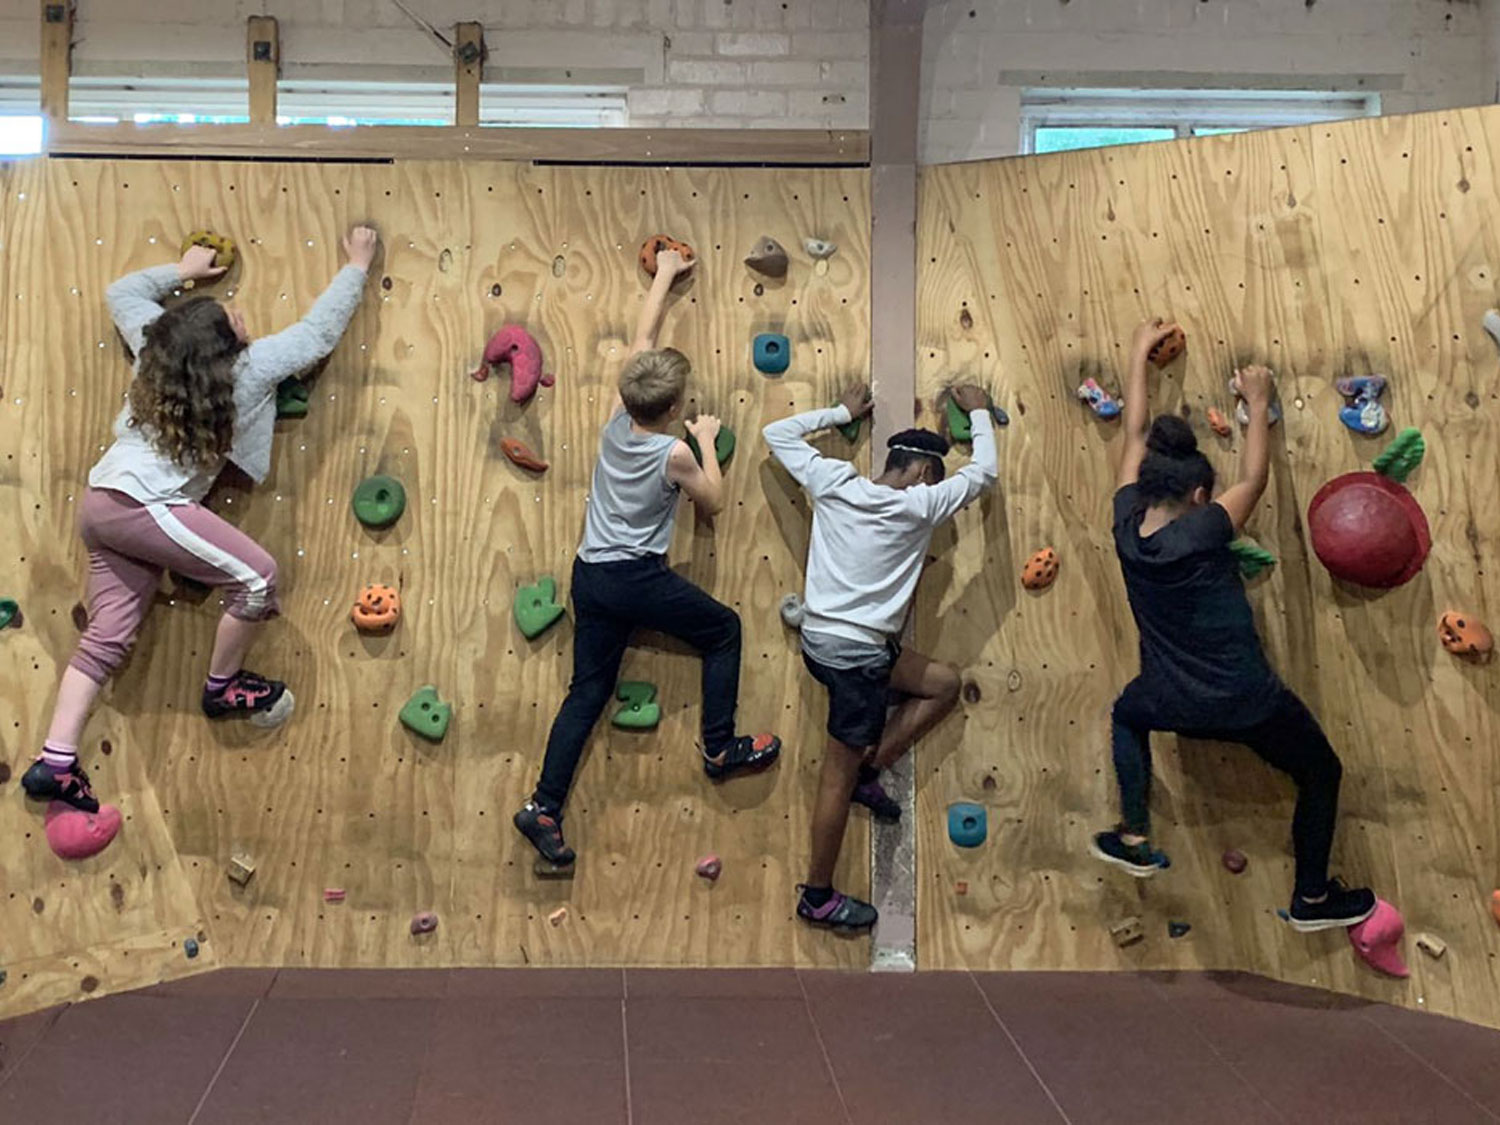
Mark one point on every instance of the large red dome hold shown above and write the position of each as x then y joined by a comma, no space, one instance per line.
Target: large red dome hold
1369,530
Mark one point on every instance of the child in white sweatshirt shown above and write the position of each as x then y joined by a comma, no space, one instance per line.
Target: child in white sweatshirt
869,540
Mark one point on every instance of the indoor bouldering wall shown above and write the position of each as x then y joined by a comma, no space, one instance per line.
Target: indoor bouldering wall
1364,247
343,798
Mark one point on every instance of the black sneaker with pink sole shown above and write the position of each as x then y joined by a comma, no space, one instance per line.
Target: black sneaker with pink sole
266,703
70,786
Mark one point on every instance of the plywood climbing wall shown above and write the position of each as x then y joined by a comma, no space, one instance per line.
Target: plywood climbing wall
343,797
1368,246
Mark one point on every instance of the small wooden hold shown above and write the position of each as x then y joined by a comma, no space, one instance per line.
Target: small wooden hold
1128,931
1432,945
240,870
767,257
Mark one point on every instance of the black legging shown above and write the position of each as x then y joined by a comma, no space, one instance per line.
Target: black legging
1289,739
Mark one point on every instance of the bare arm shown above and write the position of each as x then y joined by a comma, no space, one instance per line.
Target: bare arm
1239,499
1136,416
669,266
704,484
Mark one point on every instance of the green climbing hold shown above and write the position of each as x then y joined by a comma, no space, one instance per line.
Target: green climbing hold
959,426
10,610
427,715
1402,456
1253,557
641,711
536,607
723,446
292,396
379,501
850,430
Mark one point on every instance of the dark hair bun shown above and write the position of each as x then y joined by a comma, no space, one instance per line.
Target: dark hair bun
1170,436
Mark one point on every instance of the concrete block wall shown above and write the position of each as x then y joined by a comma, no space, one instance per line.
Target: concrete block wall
978,55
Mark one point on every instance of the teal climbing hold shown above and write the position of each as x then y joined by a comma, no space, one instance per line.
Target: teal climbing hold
772,353
10,612
536,607
427,715
379,501
641,711
967,824
723,446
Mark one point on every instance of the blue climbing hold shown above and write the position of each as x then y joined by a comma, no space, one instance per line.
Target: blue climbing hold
773,353
1363,412
966,824
190,947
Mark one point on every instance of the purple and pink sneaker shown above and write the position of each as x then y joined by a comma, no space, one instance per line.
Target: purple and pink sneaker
266,703
839,911
869,792
70,786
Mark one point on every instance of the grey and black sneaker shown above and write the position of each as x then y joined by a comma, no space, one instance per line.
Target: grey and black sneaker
1138,859
1340,906
544,831
838,911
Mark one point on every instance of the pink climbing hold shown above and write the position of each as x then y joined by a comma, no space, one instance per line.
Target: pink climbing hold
517,347
423,923
709,867
1377,940
75,834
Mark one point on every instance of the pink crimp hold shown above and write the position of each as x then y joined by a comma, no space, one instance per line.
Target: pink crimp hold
514,345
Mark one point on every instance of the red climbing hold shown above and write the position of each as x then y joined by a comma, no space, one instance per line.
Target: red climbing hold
423,923
514,345
520,453
75,834
709,867
1235,860
1377,940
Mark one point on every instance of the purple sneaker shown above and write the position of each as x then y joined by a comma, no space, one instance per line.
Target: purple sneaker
840,912
869,792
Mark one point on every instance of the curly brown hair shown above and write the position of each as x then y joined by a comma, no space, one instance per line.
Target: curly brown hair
183,393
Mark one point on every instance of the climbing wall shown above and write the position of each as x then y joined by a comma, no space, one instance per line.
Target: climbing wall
342,796
1368,246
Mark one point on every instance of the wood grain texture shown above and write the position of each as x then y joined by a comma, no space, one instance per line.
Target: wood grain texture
342,796
1367,246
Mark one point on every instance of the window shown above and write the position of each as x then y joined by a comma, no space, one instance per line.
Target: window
20,134
1056,120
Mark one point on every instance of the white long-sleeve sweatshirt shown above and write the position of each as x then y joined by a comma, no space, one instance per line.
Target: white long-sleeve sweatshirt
132,465
869,540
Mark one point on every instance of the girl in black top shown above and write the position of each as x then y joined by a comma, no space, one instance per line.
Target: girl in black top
1203,672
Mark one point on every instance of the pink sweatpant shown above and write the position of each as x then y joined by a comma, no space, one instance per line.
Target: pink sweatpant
130,544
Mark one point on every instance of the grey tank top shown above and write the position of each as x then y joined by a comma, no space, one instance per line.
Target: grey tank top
632,505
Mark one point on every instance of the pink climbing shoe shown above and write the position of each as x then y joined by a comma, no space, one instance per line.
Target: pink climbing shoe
266,703
74,834
1377,940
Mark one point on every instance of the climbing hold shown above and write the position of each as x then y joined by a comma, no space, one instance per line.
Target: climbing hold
558,916
378,609
957,422
379,501
641,711
514,345
1362,411
1366,528
427,715
333,894
292,398
961,887
536,607
1495,905
772,353
655,245
723,446
74,834
1177,929
544,870
240,870
1235,860
1100,401
768,257
80,617
1127,931
709,867
1168,348
1465,636
1041,570
520,454
10,612
1432,945
849,429
966,824
190,947
1242,411
792,611
222,246
1377,940
424,922
1218,423
972,695
819,248
1253,557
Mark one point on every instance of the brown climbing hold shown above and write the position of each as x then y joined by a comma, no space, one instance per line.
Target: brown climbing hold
709,867
80,617
1041,570
767,256
89,983
424,922
1234,860
655,245
1127,931
558,916
378,609
1218,422
240,870
965,319
971,692
961,887
1168,348
38,905
4,772
1432,945
520,454
1466,636
333,894
106,747
117,895
988,784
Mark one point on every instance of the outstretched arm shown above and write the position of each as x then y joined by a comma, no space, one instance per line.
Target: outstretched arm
135,300
982,471
808,467
670,265
1239,499
1136,418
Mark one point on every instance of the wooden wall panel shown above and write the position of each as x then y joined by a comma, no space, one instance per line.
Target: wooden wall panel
342,796
1366,246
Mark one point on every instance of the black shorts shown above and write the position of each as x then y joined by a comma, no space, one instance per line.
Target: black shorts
857,698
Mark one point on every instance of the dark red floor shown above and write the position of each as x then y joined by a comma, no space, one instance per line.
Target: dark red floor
770,1047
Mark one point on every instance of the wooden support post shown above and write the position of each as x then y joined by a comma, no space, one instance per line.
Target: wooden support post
468,71
263,61
57,58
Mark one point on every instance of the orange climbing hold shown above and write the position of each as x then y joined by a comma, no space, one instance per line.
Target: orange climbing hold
1495,905
655,245
520,453
1218,422
1463,635
378,609
1041,570
1172,345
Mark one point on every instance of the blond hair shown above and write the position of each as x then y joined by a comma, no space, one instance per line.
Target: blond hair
653,382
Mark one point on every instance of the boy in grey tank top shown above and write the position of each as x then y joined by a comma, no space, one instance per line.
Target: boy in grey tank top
621,581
